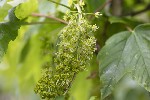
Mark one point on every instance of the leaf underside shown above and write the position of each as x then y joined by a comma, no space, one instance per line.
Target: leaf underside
125,52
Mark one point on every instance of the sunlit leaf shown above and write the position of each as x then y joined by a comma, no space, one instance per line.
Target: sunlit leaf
4,11
25,9
93,98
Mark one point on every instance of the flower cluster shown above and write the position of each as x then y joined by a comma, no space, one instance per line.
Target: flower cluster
75,49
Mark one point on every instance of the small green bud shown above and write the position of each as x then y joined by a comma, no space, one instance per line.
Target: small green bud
97,14
75,50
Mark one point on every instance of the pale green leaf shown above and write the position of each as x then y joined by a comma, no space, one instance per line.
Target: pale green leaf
125,52
25,9
4,11
79,84
93,98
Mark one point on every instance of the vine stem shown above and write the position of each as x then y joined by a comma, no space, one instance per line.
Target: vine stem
79,11
101,7
51,17
59,4
34,23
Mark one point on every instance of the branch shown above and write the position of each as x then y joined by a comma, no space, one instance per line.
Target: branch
51,17
59,4
138,12
102,6
34,23
116,7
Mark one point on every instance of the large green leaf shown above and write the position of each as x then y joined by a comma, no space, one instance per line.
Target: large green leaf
8,32
125,52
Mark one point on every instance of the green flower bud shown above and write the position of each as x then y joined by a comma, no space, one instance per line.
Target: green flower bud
97,14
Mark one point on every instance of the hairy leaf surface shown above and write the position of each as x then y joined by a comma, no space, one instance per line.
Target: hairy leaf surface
125,52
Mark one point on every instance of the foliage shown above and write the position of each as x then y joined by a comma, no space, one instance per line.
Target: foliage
74,49
125,52
27,7
8,32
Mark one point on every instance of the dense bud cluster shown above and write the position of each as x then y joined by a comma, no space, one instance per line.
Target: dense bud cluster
75,49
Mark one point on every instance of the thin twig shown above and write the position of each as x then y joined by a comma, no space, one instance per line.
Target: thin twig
102,6
138,12
34,23
104,33
59,4
51,17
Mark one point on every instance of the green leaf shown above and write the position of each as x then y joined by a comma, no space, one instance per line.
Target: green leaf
25,51
25,9
125,52
128,89
78,84
26,70
132,23
60,98
8,32
4,11
93,98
